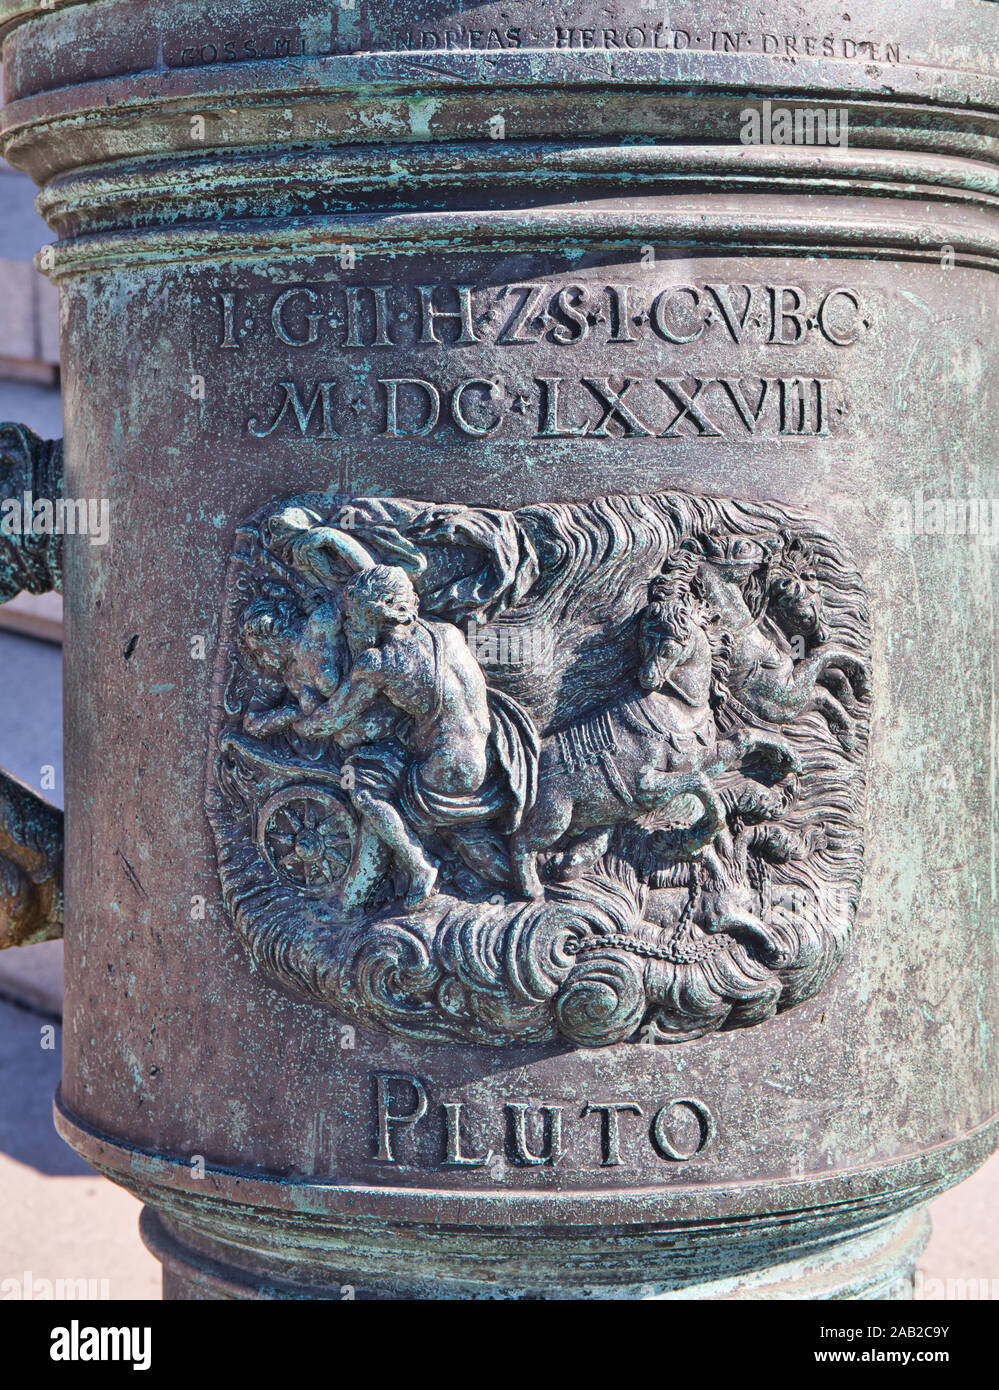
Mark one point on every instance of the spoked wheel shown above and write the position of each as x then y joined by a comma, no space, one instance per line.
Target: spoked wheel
308,835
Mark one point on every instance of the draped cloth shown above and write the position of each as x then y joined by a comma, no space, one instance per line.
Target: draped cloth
509,790
499,568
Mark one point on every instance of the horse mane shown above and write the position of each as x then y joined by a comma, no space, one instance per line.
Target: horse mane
669,617
722,646
680,588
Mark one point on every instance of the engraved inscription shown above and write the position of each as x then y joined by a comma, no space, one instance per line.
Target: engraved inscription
636,34
534,1134
566,408
514,315
658,348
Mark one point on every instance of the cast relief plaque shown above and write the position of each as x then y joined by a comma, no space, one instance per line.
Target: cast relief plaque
590,772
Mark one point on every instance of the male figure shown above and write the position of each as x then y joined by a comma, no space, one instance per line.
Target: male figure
425,669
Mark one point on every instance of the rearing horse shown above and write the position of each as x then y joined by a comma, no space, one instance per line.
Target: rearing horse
763,673
626,760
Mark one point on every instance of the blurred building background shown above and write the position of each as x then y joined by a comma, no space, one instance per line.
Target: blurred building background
58,1220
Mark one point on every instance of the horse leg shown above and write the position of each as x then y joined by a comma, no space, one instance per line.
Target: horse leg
837,684
548,820
834,714
805,692
582,851
687,840
856,669
656,787
709,823
748,743
780,698
809,671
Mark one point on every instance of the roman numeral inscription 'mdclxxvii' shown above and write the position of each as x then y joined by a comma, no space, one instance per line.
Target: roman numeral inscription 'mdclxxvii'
470,368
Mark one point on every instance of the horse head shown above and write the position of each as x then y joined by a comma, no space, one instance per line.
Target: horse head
795,603
736,558
667,628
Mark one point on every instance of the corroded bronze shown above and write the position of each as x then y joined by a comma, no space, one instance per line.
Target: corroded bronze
401,746
531,633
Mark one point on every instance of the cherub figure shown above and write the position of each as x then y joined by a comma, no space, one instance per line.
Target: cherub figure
307,658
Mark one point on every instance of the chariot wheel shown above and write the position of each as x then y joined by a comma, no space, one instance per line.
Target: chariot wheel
308,835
